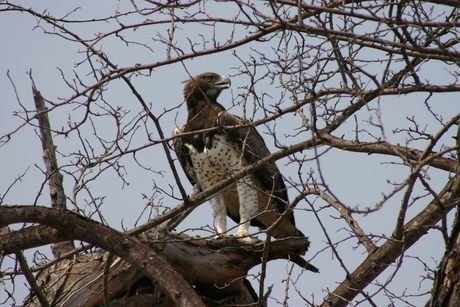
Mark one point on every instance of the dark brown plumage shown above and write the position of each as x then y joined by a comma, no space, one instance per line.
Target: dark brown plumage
210,156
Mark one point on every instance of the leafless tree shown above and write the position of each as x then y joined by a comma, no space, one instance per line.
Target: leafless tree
358,101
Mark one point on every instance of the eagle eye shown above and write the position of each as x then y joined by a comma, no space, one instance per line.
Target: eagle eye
207,78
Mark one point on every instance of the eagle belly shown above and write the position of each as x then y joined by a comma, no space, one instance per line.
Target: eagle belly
240,199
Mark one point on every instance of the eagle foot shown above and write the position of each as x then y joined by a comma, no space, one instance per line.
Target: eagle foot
219,236
234,237
248,240
245,239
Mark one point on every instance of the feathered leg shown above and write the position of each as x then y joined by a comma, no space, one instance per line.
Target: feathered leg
220,213
247,195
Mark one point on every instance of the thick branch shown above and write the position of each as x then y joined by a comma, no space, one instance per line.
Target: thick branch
445,290
393,248
22,239
206,264
128,248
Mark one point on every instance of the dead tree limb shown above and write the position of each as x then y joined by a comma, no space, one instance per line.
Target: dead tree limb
161,263
124,246
55,178
393,248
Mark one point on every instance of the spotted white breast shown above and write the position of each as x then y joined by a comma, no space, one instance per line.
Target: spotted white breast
239,199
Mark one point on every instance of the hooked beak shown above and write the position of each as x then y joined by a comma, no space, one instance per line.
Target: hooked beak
223,83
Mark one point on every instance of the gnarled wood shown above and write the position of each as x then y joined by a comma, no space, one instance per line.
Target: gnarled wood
216,269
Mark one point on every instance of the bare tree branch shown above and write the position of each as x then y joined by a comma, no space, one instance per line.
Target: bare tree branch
58,198
128,248
392,249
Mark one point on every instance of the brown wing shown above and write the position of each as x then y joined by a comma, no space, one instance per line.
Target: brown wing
255,149
183,154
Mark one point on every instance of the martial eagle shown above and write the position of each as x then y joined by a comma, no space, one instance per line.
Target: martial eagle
260,198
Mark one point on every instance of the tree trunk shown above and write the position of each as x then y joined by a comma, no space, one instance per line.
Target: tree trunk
446,289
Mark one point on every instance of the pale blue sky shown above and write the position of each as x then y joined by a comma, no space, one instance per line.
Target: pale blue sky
356,179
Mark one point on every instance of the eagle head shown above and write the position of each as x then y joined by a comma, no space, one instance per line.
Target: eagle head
206,86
